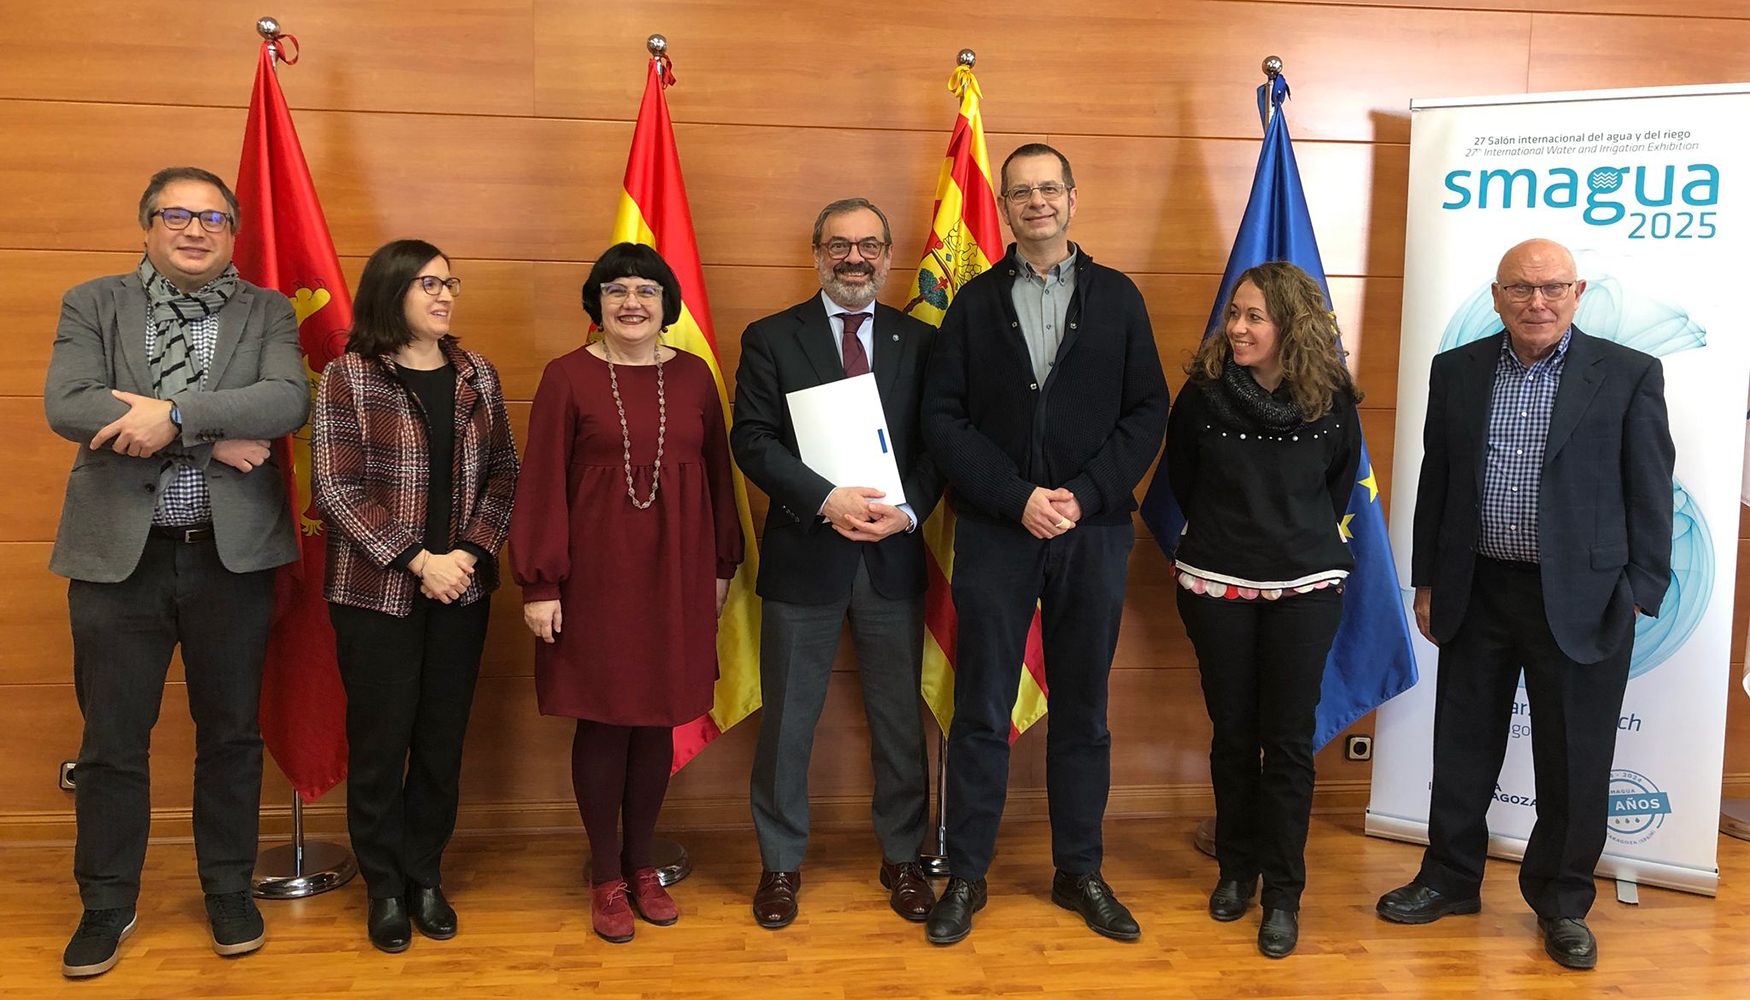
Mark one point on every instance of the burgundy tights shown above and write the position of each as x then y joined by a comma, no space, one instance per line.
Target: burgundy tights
620,771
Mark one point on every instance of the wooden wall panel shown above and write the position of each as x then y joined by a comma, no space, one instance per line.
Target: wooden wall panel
1158,68
1576,52
458,56
498,129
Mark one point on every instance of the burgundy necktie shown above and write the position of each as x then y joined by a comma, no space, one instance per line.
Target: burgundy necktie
856,362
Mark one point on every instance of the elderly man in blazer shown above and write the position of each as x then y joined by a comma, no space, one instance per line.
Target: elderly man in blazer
171,379
835,550
1542,529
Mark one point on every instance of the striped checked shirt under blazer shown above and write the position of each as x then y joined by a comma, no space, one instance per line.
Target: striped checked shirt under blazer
370,467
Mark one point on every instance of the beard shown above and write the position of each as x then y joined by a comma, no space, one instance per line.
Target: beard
852,296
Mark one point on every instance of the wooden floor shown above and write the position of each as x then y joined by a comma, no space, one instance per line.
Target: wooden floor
525,932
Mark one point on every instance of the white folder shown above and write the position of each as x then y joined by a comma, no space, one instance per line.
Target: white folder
841,432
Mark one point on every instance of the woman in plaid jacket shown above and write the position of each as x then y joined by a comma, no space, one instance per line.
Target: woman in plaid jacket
412,557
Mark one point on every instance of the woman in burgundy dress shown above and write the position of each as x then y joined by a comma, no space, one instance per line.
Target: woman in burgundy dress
624,540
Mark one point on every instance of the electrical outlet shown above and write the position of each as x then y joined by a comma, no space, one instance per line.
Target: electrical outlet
67,777
1359,746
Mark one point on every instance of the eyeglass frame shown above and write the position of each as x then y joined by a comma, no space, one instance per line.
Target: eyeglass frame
1022,194
1531,291
227,219
453,283
608,291
881,247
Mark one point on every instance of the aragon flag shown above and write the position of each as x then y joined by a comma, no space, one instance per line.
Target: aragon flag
283,243
1371,659
653,211
964,240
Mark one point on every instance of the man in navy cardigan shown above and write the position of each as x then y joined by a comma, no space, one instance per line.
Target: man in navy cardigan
1044,404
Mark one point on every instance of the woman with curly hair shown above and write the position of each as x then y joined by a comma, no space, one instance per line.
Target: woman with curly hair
1262,449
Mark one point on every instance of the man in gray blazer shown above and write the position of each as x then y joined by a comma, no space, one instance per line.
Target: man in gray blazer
172,379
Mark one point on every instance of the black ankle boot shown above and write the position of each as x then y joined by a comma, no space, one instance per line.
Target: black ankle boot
387,924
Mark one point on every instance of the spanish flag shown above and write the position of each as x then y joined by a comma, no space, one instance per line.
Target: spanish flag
283,243
963,241
653,211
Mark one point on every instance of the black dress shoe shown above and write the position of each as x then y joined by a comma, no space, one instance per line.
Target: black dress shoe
1416,903
774,901
386,922
1090,896
951,918
1569,941
1278,933
1232,898
431,912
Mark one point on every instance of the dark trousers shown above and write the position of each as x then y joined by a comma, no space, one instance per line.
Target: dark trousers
409,685
1574,712
1261,663
1077,579
123,635
797,644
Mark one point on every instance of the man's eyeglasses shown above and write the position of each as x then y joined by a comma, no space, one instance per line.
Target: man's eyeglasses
839,249
1552,292
430,284
213,220
1020,194
613,291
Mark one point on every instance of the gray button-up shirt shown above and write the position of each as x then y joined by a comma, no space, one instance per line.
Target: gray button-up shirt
1042,305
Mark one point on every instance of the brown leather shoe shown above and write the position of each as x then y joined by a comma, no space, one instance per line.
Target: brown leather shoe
911,896
774,902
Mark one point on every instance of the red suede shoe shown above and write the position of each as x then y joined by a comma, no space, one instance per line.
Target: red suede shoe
608,911
651,900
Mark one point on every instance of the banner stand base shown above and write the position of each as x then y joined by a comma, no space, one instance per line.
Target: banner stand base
671,860
1735,818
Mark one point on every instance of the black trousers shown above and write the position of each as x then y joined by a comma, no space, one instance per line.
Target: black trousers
123,635
1261,663
409,686
1077,579
1574,713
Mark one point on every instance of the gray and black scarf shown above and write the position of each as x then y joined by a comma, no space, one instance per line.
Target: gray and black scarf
172,314
1239,401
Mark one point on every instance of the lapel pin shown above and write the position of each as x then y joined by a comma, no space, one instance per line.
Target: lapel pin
896,336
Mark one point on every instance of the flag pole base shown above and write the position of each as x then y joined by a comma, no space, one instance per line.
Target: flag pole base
294,871
671,860
1735,818
1204,838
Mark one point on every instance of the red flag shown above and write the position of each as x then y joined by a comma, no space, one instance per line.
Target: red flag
283,243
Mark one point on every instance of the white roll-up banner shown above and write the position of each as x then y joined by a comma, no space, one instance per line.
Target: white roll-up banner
1651,191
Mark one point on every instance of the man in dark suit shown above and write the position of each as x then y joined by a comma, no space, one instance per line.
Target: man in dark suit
1543,527
171,378
831,550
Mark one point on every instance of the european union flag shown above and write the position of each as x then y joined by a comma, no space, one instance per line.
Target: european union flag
1371,659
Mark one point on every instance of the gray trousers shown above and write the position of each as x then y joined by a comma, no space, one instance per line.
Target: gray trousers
797,643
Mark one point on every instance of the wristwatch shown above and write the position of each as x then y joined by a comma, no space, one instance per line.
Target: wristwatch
176,416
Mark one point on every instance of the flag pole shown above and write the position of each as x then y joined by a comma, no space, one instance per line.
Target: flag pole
936,864
1204,838
301,868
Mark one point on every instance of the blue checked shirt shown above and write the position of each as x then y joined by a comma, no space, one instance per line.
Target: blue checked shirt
1519,413
187,501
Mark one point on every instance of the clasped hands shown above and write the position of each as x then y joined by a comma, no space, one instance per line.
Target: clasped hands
146,429
853,513
443,577
1050,513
